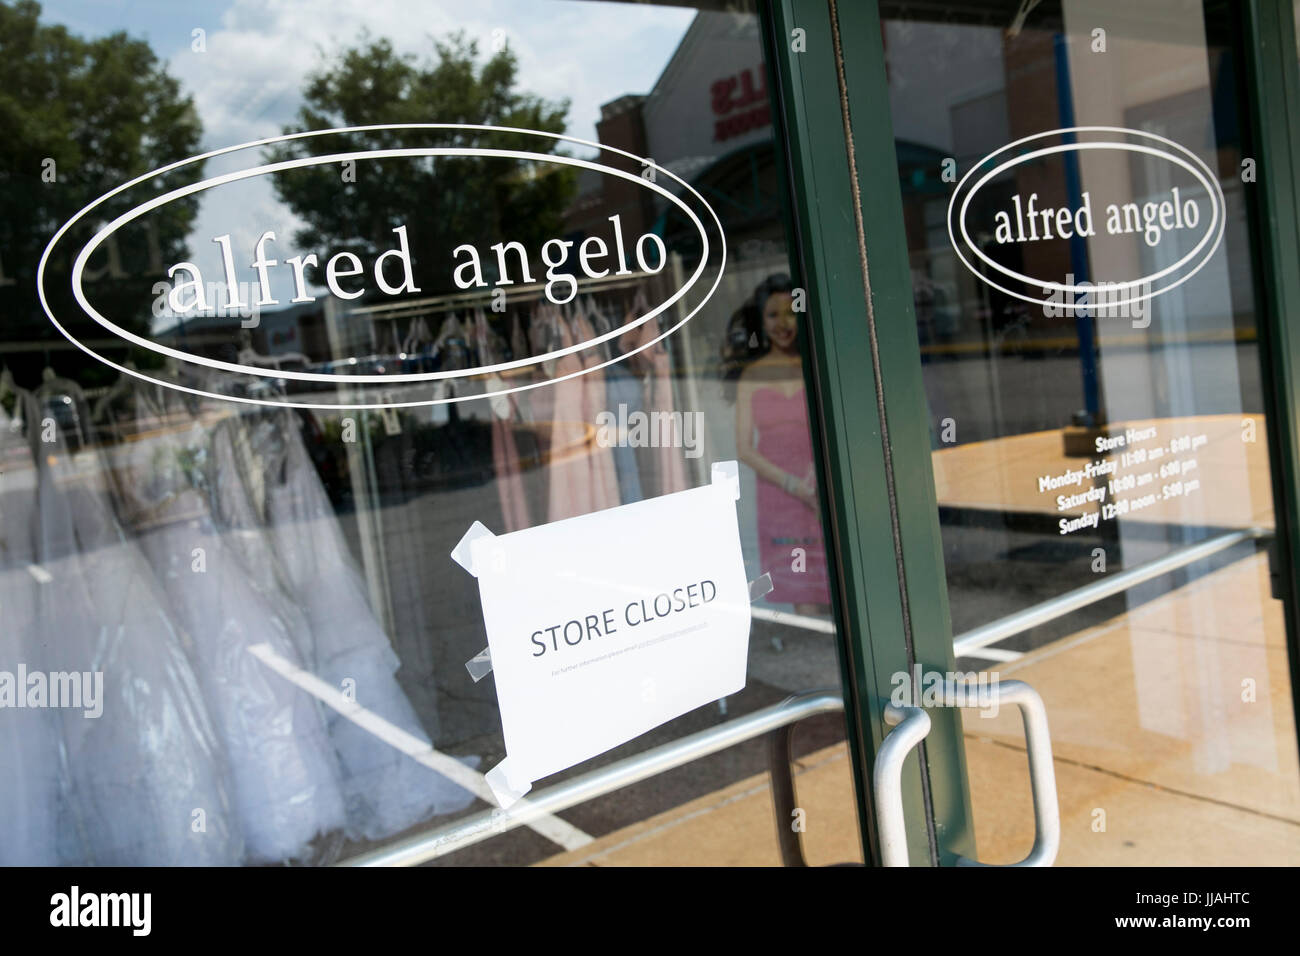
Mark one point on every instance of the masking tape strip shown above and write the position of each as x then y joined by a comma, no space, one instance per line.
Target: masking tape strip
505,788
461,554
480,665
759,586
553,828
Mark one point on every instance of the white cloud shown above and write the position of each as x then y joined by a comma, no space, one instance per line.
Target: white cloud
247,84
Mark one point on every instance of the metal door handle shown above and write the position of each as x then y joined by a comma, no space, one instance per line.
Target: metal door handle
911,726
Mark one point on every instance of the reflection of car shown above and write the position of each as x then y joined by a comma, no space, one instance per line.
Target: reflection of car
367,365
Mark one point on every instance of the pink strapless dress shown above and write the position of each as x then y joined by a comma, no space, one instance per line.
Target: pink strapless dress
784,522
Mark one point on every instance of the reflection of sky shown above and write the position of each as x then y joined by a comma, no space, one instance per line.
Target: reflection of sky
246,85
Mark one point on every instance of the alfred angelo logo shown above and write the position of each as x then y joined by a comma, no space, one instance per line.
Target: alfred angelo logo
1137,213
559,265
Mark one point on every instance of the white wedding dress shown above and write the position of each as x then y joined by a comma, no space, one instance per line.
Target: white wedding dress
284,776
386,789
145,780
29,740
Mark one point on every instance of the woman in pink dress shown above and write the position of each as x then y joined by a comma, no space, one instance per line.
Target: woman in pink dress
774,438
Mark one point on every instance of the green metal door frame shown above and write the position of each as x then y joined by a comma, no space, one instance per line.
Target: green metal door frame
863,366
1272,69
873,455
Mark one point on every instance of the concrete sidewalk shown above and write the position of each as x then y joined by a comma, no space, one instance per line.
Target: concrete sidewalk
736,826
1173,739
1172,731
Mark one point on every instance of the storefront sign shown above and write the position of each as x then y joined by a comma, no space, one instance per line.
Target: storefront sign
1177,226
604,626
740,103
390,274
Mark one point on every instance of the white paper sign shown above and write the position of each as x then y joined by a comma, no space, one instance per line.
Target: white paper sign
604,626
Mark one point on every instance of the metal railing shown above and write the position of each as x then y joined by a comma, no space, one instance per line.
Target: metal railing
467,831
477,827
966,643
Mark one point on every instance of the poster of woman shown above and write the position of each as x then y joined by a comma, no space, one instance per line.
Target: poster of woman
773,437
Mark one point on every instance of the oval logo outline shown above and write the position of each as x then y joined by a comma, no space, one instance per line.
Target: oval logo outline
1204,175
399,379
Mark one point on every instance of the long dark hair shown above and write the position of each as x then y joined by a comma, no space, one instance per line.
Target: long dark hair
746,340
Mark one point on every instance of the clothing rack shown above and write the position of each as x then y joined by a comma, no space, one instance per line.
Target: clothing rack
528,292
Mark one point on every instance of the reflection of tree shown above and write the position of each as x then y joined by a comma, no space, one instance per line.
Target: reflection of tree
445,201
92,114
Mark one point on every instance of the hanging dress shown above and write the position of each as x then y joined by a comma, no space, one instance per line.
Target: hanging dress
668,457
505,451
386,790
595,400
29,739
283,775
288,782
570,491
146,777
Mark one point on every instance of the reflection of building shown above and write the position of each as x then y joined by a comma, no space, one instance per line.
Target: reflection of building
706,120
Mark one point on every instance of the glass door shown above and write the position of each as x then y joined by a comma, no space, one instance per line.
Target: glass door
294,297
1088,296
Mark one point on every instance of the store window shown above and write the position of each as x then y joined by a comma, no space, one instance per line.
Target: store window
1075,190
293,297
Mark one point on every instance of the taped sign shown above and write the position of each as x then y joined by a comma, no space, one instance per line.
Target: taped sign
604,626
